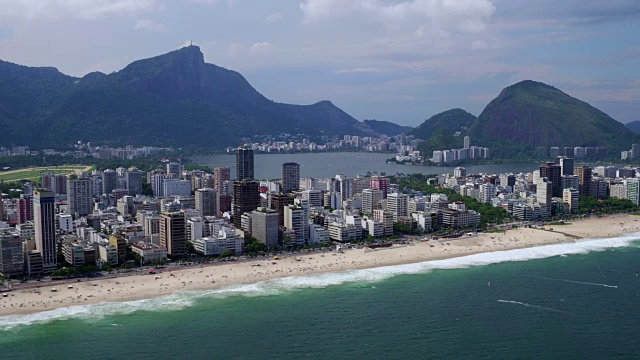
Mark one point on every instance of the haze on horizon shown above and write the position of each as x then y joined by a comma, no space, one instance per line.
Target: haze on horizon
395,60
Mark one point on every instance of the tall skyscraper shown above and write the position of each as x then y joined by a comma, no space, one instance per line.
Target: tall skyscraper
370,199
264,226
244,164
25,211
544,192
398,205
278,202
45,228
207,202
220,175
173,233
133,180
553,172
80,196
566,164
467,142
174,169
290,176
584,174
158,185
381,183
109,181
246,198
1,208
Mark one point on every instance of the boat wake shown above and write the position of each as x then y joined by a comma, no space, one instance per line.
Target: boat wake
183,299
580,282
537,307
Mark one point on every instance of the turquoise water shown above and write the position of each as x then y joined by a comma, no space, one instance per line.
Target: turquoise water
581,305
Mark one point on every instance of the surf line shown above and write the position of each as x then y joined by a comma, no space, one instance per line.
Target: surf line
580,282
537,307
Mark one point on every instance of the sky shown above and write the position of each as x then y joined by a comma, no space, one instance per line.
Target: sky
396,60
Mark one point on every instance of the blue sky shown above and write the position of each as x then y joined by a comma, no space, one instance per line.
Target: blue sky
396,60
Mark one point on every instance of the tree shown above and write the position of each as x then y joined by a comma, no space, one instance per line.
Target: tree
228,253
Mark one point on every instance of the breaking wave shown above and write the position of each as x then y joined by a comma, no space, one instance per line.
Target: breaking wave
183,299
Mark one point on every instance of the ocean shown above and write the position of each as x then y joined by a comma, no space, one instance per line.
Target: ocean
578,300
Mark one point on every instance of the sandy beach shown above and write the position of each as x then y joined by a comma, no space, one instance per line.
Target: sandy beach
143,285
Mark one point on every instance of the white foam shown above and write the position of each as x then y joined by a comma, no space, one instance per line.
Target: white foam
180,300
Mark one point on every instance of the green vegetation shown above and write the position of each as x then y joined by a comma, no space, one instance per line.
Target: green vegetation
386,127
34,174
438,131
531,114
175,99
419,182
591,205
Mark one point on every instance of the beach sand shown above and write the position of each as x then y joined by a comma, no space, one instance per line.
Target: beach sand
144,285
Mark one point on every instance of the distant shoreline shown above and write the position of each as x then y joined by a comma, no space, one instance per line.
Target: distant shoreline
252,271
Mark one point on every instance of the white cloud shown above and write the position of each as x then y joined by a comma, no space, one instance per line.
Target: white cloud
148,25
274,17
414,20
88,9
359,70
261,48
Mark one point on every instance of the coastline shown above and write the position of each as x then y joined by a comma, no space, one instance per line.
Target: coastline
226,275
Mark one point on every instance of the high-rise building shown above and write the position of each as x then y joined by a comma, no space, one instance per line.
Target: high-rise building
133,180
278,202
566,164
290,176
264,226
1,208
295,220
11,256
109,181
342,184
173,235
44,226
174,169
460,172
158,185
584,174
398,205
544,192
370,200
25,211
80,196
314,196
553,172
571,197
207,202
381,183
467,142
246,198
244,164
633,190
221,174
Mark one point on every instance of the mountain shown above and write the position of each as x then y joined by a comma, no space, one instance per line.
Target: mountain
386,127
633,126
531,114
443,130
175,99
451,121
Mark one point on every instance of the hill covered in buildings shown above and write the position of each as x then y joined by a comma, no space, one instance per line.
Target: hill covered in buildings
523,117
175,99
